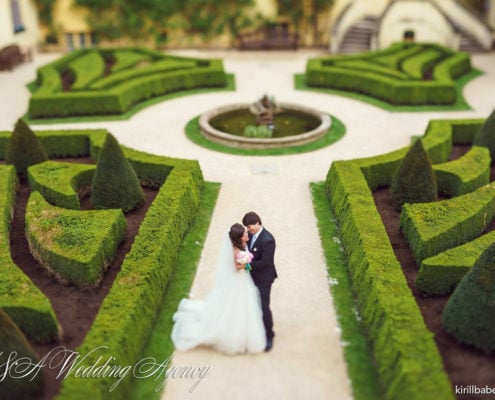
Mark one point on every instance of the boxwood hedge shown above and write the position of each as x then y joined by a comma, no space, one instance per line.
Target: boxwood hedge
23,385
402,59
408,361
126,315
90,94
76,247
440,274
60,183
431,228
465,174
20,299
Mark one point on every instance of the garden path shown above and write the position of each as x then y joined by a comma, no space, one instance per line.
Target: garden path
306,361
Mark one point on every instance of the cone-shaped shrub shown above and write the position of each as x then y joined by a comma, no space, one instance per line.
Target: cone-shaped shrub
414,180
468,315
486,135
115,183
24,149
15,347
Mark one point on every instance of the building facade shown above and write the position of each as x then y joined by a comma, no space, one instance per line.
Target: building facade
18,23
360,25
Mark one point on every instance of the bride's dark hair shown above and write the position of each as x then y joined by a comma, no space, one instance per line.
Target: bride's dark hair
235,234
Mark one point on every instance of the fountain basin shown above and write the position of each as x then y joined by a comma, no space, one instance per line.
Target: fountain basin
238,141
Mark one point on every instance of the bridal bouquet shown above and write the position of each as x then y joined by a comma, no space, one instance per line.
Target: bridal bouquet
244,257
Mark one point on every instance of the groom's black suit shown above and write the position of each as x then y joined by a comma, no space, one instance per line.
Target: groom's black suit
264,273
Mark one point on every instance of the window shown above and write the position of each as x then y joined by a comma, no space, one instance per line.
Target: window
16,16
70,41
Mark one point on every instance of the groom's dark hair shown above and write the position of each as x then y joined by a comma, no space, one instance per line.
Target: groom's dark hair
251,218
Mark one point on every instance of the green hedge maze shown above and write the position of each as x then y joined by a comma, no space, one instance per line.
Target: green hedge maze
106,82
74,246
444,237
405,74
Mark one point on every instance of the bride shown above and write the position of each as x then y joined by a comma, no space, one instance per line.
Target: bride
229,318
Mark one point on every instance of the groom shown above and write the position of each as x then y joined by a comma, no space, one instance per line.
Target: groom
262,245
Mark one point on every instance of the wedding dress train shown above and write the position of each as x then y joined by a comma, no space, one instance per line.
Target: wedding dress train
229,318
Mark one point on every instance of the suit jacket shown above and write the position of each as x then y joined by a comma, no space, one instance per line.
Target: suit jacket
263,269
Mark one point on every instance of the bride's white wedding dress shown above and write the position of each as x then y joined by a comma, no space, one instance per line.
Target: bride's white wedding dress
229,318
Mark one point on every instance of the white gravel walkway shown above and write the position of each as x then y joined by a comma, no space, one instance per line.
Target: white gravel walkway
306,361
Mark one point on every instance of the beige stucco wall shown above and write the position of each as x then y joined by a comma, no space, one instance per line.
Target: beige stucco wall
267,8
29,38
428,24
69,17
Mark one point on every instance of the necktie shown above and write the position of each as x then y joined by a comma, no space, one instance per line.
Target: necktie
252,241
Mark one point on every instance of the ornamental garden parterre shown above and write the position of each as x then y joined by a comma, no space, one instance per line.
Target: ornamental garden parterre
416,225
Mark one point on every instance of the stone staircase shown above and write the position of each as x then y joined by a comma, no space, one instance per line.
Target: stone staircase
358,37
469,43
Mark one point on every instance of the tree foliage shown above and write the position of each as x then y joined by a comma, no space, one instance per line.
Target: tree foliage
414,180
45,11
24,149
115,183
468,315
295,10
140,18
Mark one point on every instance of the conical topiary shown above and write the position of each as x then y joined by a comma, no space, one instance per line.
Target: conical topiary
414,180
16,349
486,135
115,183
468,315
24,149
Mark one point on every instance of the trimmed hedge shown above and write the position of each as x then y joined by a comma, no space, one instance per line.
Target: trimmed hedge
21,300
127,58
465,174
414,181
24,149
418,65
60,182
440,274
126,315
408,361
434,227
411,59
48,100
87,69
76,247
18,385
468,314
115,183
486,134
158,67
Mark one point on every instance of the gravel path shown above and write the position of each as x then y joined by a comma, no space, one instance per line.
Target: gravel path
306,361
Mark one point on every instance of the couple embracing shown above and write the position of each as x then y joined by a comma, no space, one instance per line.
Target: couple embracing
235,317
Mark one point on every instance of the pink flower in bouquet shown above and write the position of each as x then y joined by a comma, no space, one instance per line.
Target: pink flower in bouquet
244,257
